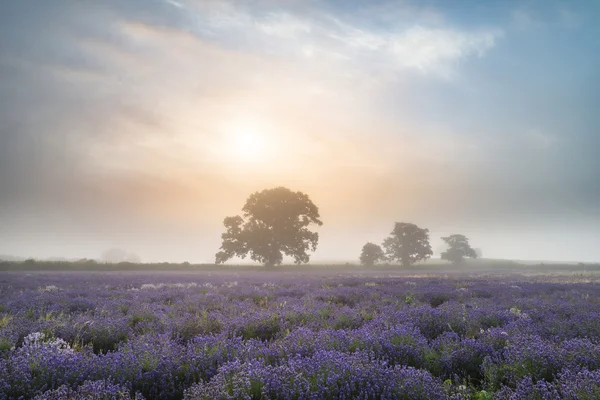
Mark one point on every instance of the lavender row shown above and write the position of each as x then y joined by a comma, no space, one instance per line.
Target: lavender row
193,336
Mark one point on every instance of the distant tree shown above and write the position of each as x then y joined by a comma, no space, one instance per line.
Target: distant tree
87,261
115,256
408,244
371,254
458,249
132,258
275,223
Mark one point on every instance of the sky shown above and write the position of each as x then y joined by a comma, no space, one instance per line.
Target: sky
141,124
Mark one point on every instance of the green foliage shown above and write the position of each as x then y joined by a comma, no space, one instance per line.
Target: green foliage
483,395
263,329
530,364
275,223
438,299
5,345
201,325
5,320
346,322
256,387
433,361
371,254
408,244
102,339
458,249
402,340
139,321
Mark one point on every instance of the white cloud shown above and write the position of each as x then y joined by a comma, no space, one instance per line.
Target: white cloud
437,50
284,25
409,45
175,4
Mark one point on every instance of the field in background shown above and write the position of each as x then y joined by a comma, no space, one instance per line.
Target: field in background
431,267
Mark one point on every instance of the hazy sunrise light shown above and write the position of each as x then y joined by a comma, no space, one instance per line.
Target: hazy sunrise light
140,125
299,199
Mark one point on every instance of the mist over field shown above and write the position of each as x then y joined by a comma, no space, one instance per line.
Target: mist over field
141,125
299,200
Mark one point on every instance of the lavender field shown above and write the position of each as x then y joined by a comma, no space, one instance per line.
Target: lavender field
263,335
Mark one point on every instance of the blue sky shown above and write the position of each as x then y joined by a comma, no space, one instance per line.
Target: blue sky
141,124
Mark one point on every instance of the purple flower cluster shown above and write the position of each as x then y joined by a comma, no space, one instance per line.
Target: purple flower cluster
569,385
90,390
268,335
324,375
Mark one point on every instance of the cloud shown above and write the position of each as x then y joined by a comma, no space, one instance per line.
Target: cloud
426,48
127,107
438,50
175,4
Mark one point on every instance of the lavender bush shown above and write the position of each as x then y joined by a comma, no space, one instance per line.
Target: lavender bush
265,335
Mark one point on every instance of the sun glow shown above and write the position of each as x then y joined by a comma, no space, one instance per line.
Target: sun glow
247,141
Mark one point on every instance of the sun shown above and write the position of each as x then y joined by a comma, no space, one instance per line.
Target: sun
246,140
248,143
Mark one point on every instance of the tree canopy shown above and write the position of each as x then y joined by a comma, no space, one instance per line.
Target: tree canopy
371,254
407,244
458,249
274,223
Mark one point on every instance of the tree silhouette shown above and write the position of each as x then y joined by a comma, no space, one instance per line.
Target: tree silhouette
371,254
408,244
275,223
458,249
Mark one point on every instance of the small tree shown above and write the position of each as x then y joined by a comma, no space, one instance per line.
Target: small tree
275,222
114,256
458,249
408,244
371,254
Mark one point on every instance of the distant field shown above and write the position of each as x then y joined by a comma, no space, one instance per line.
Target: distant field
244,334
430,267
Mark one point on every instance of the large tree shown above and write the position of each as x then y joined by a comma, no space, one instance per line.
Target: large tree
275,222
408,244
458,249
371,254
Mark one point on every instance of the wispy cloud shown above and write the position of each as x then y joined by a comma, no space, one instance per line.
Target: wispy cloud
438,50
409,45
175,4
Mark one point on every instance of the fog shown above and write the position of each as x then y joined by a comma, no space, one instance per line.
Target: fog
140,126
